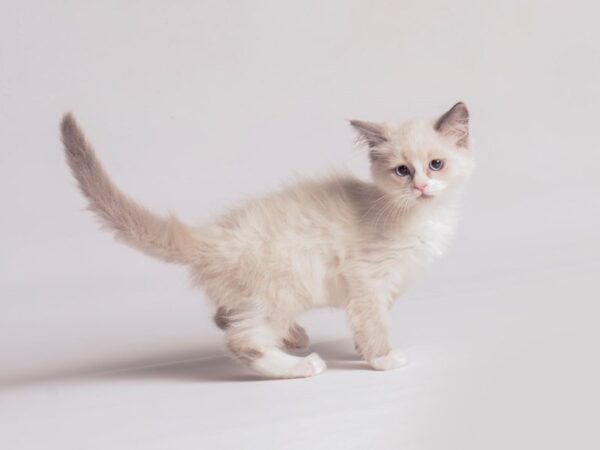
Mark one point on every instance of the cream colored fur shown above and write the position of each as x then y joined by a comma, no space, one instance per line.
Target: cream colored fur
338,242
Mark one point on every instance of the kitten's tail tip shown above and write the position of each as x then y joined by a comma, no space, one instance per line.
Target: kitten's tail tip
67,122
72,137
68,126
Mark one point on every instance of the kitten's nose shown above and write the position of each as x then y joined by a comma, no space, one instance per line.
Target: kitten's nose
420,186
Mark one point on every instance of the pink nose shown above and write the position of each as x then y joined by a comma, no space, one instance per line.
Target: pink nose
421,187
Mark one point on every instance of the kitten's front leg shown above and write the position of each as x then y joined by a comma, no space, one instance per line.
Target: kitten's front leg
369,318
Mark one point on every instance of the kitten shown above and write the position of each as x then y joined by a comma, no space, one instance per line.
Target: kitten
340,242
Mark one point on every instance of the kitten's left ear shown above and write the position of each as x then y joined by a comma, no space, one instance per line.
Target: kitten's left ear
371,133
454,123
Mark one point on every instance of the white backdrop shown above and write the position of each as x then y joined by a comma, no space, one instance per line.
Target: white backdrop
194,106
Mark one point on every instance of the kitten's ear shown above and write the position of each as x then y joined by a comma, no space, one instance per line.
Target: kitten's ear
370,133
454,123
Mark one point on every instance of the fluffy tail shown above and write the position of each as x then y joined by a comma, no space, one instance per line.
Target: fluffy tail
164,237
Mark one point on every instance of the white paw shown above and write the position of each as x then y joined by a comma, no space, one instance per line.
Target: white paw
393,360
309,366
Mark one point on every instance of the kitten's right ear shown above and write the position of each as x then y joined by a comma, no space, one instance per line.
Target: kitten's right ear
372,134
454,123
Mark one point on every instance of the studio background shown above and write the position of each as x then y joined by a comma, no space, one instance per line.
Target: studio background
194,107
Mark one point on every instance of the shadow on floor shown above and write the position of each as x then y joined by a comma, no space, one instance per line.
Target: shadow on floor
223,368
197,365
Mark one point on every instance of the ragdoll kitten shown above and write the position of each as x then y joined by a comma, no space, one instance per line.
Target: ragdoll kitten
339,242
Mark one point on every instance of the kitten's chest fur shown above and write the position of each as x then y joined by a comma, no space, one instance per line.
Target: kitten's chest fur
389,260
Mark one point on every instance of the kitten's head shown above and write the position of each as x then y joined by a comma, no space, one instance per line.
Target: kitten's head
420,161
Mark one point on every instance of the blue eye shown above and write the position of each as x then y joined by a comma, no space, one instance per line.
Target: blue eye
402,171
436,164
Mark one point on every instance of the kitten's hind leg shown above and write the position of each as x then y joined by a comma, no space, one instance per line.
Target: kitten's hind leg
296,338
256,344
276,363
